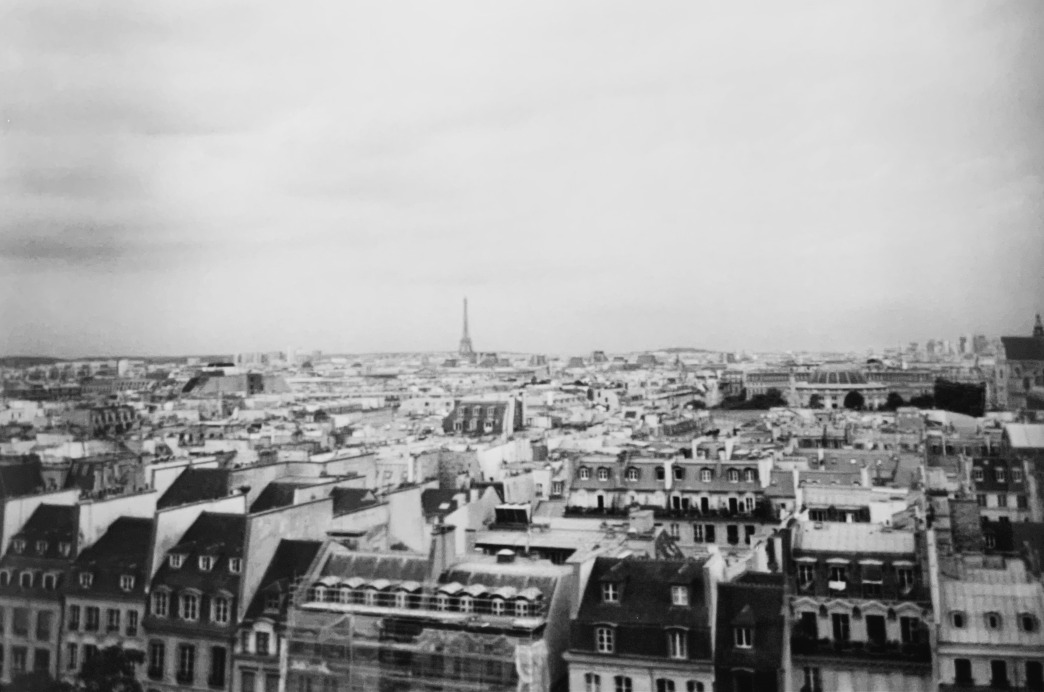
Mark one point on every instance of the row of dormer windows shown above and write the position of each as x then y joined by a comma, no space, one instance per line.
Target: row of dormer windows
677,641
206,562
465,603
28,579
706,475
19,545
1027,622
999,475
487,425
466,411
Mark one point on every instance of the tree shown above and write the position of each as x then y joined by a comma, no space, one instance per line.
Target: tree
854,401
923,401
958,397
893,401
112,670
815,401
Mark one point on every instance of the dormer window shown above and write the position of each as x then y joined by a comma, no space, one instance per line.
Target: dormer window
498,606
632,474
679,473
605,640
610,592
126,582
176,560
1028,622
50,582
5,578
18,545
272,601
41,547
993,621
64,549
749,475
1016,475
26,580
678,644
86,579
585,473
603,474
999,474
467,603
189,607
958,619
206,563
905,577
235,565
679,595
743,637
733,475
521,609
977,475
706,475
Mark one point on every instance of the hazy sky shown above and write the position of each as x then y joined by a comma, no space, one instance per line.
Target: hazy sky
186,177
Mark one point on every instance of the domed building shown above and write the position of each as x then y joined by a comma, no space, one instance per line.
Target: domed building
833,385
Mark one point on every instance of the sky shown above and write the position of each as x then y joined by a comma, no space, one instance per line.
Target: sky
192,176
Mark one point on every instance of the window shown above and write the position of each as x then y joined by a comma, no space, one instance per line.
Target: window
41,547
126,582
706,475
189,607
43,625
176,560
990,539
585,473
5,578
999,673
206,563
592,682
957,619
632,474
64,549
999,475
733,475
92,618
993,621
905,577
709,533
1034,675
977,475
132,623
732,534
678,644
74,617
610,592
19,658
442,602
400,599
841,626
603,474
18,545
813,680
962,671
20,621
218,660
72,654
25,580
498,606
675,531
113,621
466,604
159,603
909,630
263,643
697,533
749,475
41,660
247,680
604,640
679,473
744,637
1002,500
806,573
221,610
680,595
664,685
1022,502
186,663
235,565
660,473
748,504
980,498
1028,622
1016,475
693,686
622,683
521,609
272,600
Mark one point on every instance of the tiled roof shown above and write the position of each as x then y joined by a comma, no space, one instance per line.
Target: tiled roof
122,550
1023,347
195,485
836,537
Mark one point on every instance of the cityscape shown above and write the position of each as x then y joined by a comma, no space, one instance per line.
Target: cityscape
521,347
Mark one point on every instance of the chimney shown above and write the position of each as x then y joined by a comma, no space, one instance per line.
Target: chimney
443,549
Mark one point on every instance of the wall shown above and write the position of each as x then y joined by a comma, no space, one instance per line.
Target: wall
172,523
96,516
406,518
18,510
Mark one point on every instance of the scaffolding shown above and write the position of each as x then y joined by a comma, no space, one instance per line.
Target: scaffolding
425,643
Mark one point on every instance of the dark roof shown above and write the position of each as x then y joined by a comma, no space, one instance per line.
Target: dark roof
1028,541
1023,347
291,560
347,500
123,550
217,534
22,478
195,485
376,566
52,523
275,494
753,600
436,502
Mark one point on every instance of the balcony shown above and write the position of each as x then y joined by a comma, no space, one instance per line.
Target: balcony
803,645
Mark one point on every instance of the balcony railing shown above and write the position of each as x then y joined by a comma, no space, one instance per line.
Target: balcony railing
803,645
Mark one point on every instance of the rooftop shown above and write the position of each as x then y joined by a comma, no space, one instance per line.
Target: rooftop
832,537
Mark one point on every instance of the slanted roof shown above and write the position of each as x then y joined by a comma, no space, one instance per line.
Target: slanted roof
217,534
290,561
753,600
977,599
195,485
645,594
836,537
397,567
436,502
17,480
347,500
52,523
1023,347
122,550
275,494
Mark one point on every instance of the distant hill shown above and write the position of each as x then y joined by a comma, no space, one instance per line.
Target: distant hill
27,361
686,349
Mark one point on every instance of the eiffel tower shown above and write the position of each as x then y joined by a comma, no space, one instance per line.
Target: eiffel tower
466,350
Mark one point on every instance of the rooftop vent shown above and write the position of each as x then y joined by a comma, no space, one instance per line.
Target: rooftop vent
505,556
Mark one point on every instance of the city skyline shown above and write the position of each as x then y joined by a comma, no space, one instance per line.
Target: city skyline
601,176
